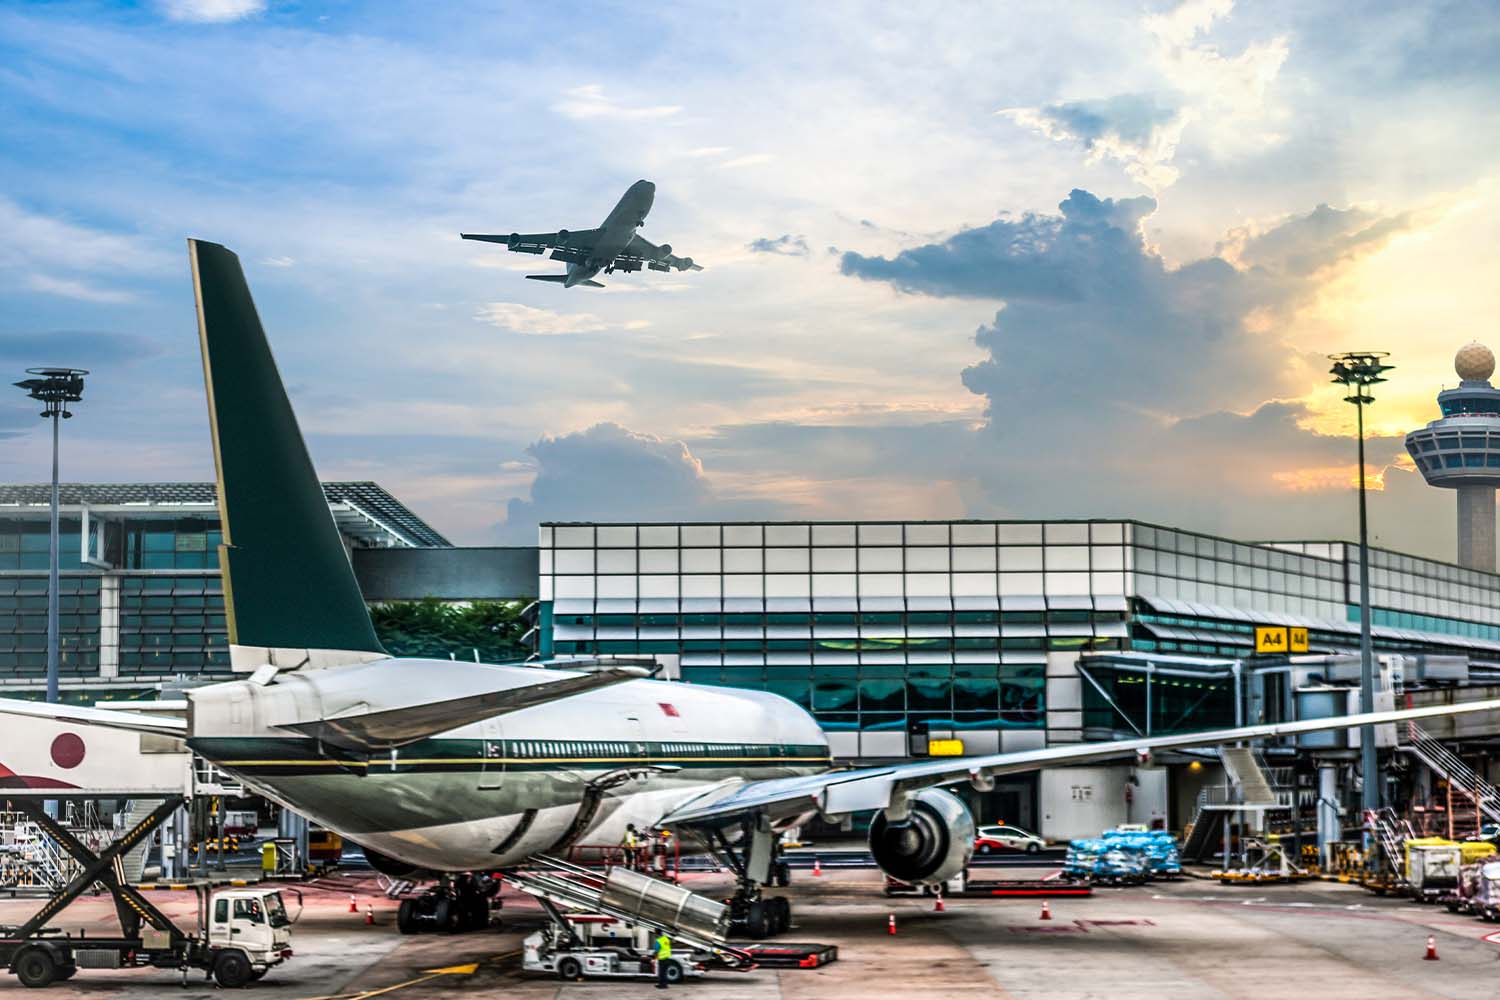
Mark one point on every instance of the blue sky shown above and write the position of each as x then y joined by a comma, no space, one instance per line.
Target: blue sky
977,260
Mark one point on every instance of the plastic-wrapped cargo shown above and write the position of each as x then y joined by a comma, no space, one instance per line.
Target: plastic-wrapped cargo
1477,890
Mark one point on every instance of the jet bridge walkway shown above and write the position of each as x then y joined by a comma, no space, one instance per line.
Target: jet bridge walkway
693,920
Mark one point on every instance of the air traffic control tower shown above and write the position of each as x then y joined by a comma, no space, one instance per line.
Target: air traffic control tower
1461,451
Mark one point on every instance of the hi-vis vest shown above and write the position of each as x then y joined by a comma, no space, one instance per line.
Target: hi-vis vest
630,840
663,947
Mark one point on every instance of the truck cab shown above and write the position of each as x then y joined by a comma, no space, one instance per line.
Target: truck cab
253,921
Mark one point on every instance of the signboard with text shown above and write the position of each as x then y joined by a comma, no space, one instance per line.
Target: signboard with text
1280,639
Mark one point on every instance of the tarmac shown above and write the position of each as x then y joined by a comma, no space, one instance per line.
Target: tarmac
1188,939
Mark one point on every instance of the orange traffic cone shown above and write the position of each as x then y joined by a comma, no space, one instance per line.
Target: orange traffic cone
369,915
1432,955
938,906
817,867
1046,911
890,924
352,908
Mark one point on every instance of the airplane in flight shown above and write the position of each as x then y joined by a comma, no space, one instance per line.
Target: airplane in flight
444,767
614,246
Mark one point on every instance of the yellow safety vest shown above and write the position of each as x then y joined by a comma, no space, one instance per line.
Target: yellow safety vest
663,947
629,839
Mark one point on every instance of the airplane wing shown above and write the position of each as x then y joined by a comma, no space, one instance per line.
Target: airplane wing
565,244
838,792
381,730
658,258
139,722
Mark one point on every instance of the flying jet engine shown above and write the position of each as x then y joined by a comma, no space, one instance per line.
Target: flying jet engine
930,845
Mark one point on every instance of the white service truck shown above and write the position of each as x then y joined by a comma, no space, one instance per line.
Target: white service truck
599,946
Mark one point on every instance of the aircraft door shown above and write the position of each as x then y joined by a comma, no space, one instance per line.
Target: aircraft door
492,750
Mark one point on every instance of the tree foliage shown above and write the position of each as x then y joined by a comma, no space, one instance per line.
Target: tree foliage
437,629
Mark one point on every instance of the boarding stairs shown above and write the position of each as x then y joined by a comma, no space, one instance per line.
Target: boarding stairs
630,897
1391,833
1465,785
133,861
1249,787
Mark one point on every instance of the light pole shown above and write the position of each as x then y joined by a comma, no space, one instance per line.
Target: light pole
54,388
1357,371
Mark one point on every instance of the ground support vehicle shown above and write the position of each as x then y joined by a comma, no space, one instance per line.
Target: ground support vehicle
598,946
451,906
1006,838
241,933
1477,891
1432,869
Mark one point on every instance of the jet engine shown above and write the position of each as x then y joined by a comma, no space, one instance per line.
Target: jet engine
686,264
387,865
931,845
664,251
513,240
562,236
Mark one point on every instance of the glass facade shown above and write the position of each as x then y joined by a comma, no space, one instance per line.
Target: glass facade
877,626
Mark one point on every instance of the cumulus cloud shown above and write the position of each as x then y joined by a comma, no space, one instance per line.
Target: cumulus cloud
590,101
787,245
609,472
211,11
1135,130
1117,385
515,317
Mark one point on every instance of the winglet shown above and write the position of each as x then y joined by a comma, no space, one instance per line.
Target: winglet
288,584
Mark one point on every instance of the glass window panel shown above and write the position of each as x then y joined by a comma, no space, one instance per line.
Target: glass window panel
743,561
833,534
786,561
615,587
1021,558
787,585
658,586
833,585
1019,534
573,536
701,560
879,585
657,535
833,560
975,585
1067,584
880,560
737,585
1020,584
742,534
974,559
658,560
701,586
615,560
1107,533
700,535
927,585
1104,557
615,536
786,534
573,561
880,534
1067,557
1067,534
926,560
926,534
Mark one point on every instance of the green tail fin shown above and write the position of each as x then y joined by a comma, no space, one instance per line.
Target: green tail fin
287,578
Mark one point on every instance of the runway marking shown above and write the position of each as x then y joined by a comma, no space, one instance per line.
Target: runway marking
452,970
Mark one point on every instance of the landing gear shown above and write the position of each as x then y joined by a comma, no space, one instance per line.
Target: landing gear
756,863
451,907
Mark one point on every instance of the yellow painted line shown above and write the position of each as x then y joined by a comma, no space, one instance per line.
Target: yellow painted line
455,970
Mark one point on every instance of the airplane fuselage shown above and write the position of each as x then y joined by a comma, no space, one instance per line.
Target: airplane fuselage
615,232
530,782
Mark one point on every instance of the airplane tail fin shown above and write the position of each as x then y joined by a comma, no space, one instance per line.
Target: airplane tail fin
558,279
289,590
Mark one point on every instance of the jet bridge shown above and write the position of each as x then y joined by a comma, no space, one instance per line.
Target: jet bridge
694,920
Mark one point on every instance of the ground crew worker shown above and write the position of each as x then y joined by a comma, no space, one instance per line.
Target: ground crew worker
632,844
663,953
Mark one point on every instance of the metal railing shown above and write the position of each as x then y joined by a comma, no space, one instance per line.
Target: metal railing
1460,776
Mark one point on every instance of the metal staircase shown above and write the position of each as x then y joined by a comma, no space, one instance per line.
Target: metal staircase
1243,766
632,897
1392,832
1460,776
133,861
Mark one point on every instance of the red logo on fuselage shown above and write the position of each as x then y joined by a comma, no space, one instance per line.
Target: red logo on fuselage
668,709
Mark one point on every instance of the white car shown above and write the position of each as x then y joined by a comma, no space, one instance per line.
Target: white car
991,839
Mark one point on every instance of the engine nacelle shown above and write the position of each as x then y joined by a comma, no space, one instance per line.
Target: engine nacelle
686,264
513,240
933,844
387,865
562,236
664,251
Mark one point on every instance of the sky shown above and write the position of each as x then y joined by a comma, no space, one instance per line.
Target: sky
961,259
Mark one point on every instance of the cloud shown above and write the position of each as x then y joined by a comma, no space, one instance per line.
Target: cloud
754,159
1133,129
72,288
590,101
76,348
211,11
787,245
609,472
529,320
279,261
1118,385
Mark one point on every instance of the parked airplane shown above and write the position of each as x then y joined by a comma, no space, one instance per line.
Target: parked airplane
614,246
444,766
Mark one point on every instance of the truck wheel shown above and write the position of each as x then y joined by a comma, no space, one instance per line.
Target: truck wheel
569,969
36,968
674,971
232,969
406,917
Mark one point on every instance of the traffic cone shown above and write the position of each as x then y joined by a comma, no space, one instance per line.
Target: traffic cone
890,924
1046,911
938,906
1432,955
352,907
817,867
369,915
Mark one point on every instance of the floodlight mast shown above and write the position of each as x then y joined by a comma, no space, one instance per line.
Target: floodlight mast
54,388
1357,371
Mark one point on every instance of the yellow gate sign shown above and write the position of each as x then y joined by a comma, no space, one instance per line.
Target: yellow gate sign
1270,639
1280,639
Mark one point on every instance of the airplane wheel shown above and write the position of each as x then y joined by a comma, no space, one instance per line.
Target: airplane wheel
757,920
569,969
442,914
781,907
406,918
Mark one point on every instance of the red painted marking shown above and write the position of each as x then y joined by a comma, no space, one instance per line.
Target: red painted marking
669,709
67,750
